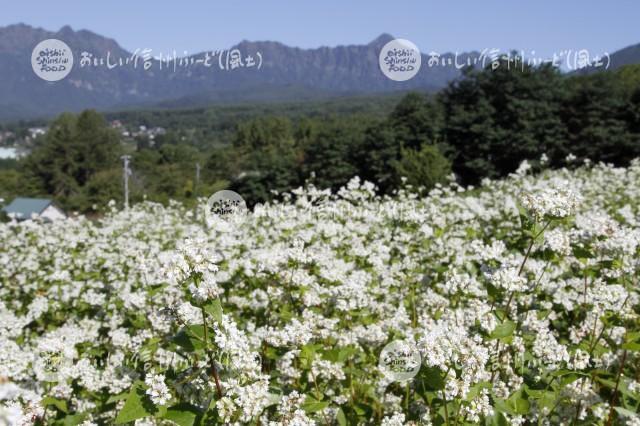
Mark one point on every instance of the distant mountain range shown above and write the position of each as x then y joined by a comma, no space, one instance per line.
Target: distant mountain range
628,56
286,73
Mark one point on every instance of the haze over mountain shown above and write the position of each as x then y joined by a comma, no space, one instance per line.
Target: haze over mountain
286,73
628,56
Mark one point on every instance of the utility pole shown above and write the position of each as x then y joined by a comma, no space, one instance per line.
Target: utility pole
195,188
125,175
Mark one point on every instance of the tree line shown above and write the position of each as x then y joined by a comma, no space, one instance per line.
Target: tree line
482,125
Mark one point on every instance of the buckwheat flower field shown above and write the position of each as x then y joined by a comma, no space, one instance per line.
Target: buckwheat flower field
520,297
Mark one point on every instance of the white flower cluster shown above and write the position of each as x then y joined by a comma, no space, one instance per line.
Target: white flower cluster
88,309
509,279
446,346
158,390
551,202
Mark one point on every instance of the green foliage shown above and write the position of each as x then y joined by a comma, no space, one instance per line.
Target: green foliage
628,78
415,122
74,151
10,184
482,125
183,414
424,167
214,308
263,132
214,127
332,150
597,121
503,330
137,406
494,119
165,173
103,186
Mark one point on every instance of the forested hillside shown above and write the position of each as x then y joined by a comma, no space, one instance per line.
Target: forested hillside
482,125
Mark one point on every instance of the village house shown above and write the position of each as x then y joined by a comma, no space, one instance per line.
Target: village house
29,208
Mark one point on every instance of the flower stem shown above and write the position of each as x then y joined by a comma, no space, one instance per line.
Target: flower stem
446,410
615,391
214,370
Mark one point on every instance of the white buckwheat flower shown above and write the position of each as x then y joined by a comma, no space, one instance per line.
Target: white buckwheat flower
508,279
158,390
549,202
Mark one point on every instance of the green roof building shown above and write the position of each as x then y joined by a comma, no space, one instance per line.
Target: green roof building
28,208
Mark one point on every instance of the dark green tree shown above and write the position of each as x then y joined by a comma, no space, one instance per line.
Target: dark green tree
495,118
424,167
597,119
333,152
416,121
73,151
265,158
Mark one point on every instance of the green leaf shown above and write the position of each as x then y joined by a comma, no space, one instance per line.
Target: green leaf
191,338
359,410
331,355
308,354
476,389
432,377
339,354
312,405
74,420
492,291
631,346
582,253
119,397
527,222
146,352
58,403
519,403
565,372
496,420
214,308
622,386
514,405
502,406
341,418
544,398
271,353
608,383
156,289
624,412
285,313
274,399
633,336
503,330
137,406
183,414
139,321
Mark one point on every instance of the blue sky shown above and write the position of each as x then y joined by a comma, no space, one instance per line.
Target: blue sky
544,26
